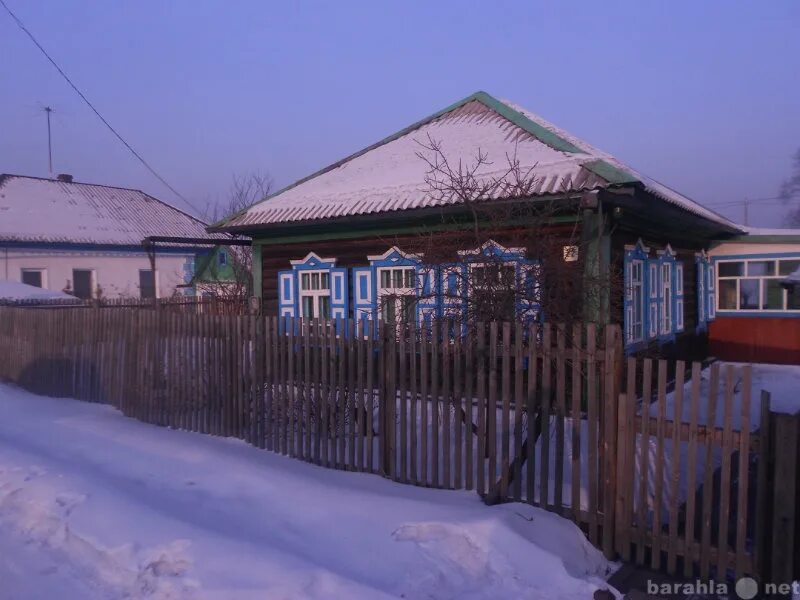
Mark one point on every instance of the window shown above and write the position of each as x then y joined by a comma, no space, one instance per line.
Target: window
666,296
82,283
222,258
34,277
147,284
754,285
315,294
494,290
636,293
397,294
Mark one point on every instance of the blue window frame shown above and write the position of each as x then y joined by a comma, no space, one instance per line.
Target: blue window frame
706,298
500,270
394,287
654,293
636,293
314,288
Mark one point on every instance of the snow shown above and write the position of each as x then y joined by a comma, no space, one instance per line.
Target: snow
46,210
793,277
95,505
15,290
781,381
770,230
391,176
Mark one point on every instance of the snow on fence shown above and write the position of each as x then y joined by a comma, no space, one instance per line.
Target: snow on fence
519,412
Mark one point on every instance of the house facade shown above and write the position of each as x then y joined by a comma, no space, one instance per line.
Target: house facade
86,239
758,313
388,233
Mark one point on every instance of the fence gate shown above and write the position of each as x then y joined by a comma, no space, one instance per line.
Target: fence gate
692,477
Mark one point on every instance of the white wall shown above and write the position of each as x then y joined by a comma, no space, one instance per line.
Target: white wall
116,272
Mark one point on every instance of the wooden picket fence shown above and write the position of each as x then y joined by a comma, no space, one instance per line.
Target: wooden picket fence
697,481
211,305
546,414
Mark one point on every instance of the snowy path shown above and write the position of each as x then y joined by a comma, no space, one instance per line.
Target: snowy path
95,505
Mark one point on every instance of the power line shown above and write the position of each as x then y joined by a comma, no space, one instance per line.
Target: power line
21,25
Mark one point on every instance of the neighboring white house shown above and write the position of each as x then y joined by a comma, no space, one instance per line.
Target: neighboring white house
86,239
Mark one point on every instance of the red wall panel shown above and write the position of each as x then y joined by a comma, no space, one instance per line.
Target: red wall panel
756,339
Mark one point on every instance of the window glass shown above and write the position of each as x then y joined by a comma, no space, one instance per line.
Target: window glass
324,307
409,278
787,267
761,267
772,294
731,269
388,312
748,294
326,285
308,307
727,294
315,281
397,278
386,279
793,298
305,279
147,283
32,277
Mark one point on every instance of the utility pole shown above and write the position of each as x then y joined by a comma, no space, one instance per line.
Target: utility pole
48,110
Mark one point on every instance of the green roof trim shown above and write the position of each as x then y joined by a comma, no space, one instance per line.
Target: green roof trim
613,175
542,134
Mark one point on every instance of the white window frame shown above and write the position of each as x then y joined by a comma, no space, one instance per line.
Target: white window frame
315,294
666,298
395,293
701,291
636,283
761,285
41,270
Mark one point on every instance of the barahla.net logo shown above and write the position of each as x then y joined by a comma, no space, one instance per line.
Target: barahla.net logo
745,588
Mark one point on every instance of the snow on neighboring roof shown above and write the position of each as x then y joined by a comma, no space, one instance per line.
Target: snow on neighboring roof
769,231
15,290
49,210
390,175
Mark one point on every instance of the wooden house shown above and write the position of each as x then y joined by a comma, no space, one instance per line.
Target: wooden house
336,243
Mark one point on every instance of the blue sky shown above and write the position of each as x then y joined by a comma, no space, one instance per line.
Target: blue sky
703,96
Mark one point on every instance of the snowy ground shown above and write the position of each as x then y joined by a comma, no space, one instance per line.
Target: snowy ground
95,505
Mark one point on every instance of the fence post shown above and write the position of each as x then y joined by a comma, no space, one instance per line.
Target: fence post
785,498
612,379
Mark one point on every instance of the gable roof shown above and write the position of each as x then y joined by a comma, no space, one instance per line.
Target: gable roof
390,176
40,210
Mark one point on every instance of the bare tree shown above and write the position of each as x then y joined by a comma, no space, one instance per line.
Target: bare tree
790,192
544,269
234,279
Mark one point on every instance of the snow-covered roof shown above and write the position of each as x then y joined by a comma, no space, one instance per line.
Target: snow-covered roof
50,210
770,230
390,175
15,290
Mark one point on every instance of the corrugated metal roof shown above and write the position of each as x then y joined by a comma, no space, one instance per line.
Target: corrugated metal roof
390,176
48,210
